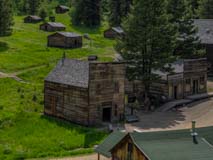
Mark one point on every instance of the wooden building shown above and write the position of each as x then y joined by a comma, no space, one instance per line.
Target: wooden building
60,9
85,92
166,145
52,26
189,77
205,33
114,32
65,40
32,19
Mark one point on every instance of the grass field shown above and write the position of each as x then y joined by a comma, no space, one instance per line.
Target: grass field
24,131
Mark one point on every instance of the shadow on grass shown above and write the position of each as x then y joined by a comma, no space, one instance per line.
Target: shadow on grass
3,46
91,30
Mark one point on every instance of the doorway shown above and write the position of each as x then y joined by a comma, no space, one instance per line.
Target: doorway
175,92
195,86
106,117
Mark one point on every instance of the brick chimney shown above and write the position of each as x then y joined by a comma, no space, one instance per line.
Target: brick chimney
194,134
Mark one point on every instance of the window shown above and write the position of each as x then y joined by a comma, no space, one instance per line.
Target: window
116,87
130,149
116,110
202,80
188,81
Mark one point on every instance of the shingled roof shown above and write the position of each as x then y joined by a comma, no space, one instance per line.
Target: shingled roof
166,145
55,24
69,34
70,72
35,17
118,30
63,7
205,30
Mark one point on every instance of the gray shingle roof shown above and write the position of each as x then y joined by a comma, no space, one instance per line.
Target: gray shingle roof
63,7
55,24
205,30
35,17
70,72
69,34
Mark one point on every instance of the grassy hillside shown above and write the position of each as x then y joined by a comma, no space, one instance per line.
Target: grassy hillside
24,131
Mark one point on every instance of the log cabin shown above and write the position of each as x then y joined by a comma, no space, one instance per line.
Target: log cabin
205,33
85,92
52,26
164,145
32,19
65,40
60,9
188,77
114,32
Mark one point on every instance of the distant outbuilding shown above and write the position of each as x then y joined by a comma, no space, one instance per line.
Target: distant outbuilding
32,19
65,40
52,26
114,32
60,9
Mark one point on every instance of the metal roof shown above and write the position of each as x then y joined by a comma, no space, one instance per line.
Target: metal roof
118,30
69,34
54,24
63,7
35,17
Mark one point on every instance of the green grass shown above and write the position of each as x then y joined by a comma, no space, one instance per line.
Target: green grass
24,131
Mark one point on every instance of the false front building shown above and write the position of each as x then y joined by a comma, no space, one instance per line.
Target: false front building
189,77
85,92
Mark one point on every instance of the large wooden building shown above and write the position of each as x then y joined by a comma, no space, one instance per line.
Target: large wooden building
114,32
205,33
32,19
166,145
60,9
52,26
85,92
65,40
189,77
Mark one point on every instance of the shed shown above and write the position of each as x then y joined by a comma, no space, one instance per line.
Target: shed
32,19
65,40
60,9
164,145
114,32
52,26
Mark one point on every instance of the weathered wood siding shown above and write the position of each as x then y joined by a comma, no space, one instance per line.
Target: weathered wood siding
120,152
60,10
67,102
106,89
110,34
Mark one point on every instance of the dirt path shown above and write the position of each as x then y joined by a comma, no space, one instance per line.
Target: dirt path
87,157
15,74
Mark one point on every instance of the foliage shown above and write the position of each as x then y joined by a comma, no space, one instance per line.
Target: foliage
206,9
149,41
6,17
43,13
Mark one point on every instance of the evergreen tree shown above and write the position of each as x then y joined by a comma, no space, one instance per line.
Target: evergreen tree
148,43
118,10
194,5
86,12
188,44
206,9
6,17
43,13
33,6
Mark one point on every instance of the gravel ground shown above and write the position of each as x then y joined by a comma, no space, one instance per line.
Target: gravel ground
87,157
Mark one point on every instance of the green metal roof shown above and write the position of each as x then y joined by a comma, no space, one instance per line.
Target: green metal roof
105,147
166,145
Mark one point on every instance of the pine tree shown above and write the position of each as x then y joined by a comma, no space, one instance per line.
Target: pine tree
187,44
86,12
33,6
6,17
43,13
149,42
118,10
194,5
206,9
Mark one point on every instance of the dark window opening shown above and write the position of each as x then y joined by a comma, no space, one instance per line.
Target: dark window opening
130,150
107,114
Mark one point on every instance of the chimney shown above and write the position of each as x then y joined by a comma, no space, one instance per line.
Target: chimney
194,134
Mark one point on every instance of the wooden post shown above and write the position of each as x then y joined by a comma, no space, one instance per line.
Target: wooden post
98,156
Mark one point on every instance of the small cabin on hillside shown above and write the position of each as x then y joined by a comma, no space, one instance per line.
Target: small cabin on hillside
85,92
165,145
60,9
32,19
189,77
52,26
65,40
114,32
205,33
